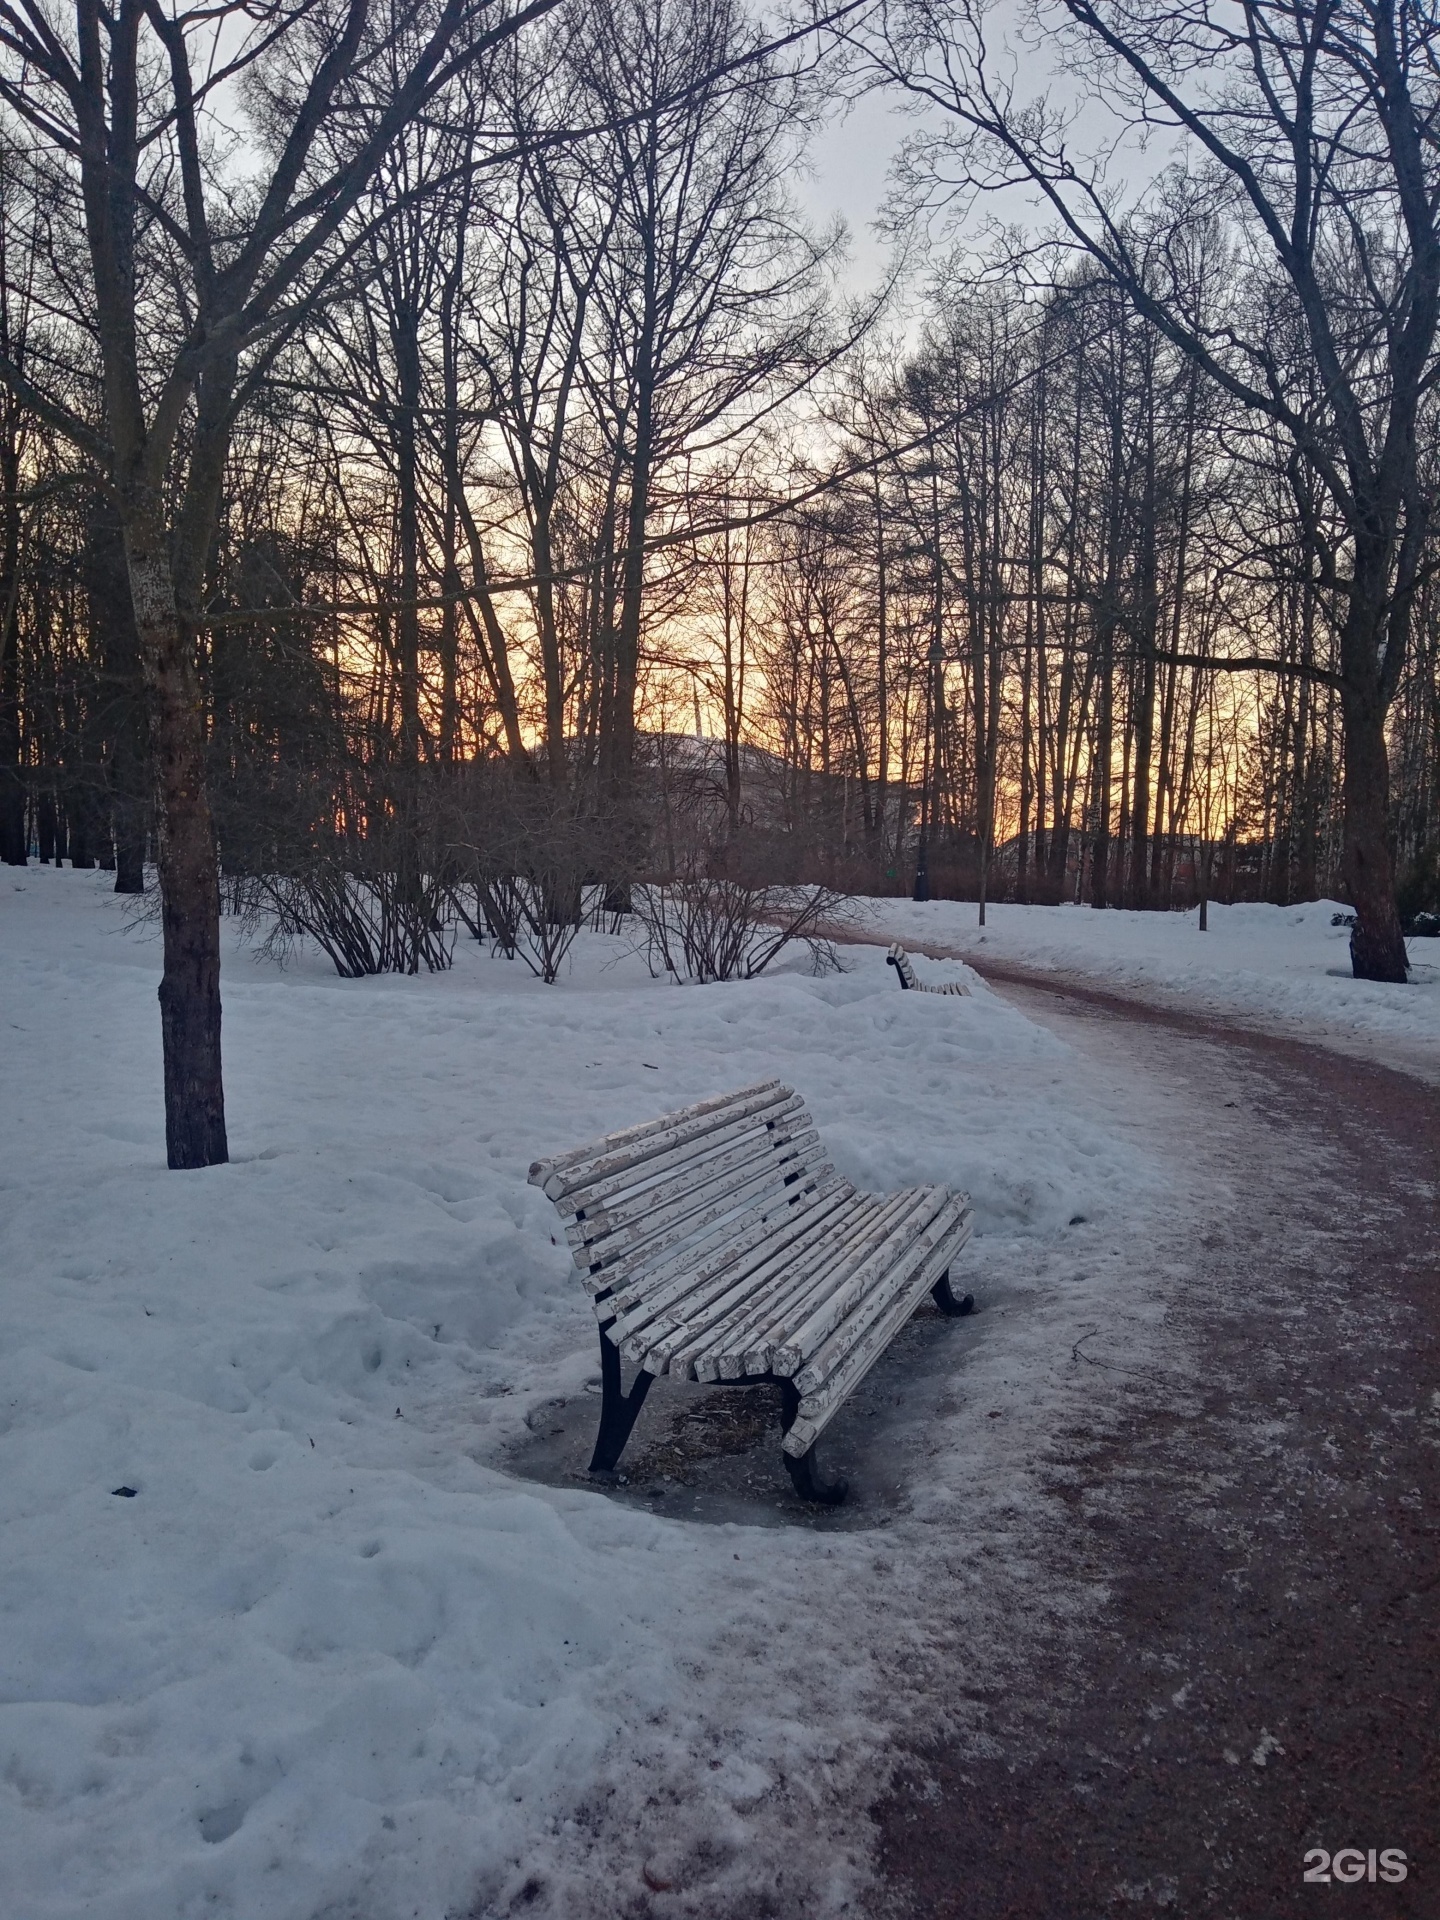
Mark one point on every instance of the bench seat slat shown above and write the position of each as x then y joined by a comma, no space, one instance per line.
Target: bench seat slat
702,1335
817,1410
719,1250
696,1261
724,1356
729,1239
820,1283
839,1244
797,1349
654,1341
831,1253
684,1303
826,1359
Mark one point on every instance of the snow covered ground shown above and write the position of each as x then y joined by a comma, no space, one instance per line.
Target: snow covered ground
1269,964
332,1659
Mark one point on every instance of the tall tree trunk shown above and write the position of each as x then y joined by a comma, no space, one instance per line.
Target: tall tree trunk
13,848
1140,895
189,875
554,666
122,692
407,619
12,780
486,630
618,751
1377,946
1104,758
882,676
1307,782
736,635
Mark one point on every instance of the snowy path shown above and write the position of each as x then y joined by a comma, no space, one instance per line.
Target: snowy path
1282,970
1264,1674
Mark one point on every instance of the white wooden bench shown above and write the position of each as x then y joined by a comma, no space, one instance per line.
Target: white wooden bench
898,958
718,1243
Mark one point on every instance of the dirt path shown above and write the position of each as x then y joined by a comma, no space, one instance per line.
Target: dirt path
1265,1677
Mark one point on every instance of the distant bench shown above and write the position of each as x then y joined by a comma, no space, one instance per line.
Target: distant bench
900,960
719,1244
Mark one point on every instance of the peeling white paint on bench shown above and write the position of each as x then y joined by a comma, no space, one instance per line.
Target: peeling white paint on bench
618,1151
720,1244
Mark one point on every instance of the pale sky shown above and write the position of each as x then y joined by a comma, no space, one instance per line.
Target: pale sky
851,158
851,162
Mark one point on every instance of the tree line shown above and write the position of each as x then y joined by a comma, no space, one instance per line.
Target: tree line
436,457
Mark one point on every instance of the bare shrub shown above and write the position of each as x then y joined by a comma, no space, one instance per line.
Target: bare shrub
523,858
377,922
707,928
517,914
489,910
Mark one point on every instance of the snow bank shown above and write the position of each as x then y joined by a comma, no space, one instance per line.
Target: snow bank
1272,964
331,1660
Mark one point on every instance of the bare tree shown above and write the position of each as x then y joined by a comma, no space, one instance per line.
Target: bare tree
1309,128
196,272
708,301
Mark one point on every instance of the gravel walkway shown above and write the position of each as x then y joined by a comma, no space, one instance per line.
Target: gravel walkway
1265,1676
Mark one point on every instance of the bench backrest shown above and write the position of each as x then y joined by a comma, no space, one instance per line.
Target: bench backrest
640,1195
900,960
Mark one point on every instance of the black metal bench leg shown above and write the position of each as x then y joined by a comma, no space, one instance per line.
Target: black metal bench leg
618,1411
944,1298
804,1468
